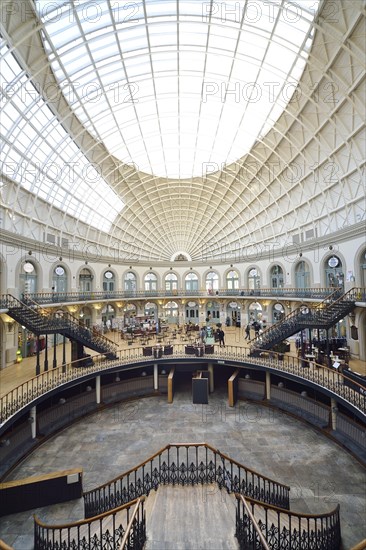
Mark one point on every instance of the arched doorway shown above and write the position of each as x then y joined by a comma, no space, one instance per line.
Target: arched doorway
130,283
108,316
233,315
171,312
212,282
171,283
59,279
192,312
85,280
27,279
150,282
277,276
151,311
109,281
191,282
278,313
363,269
213,312
232,280
254,280
254,312
333,271
85,316
302,275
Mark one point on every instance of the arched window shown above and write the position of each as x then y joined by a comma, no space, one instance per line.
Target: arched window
27,279
302,275
232,280
191,282
85,280
254,280
212,282
59,279
150,282
171,282
130,284
108,281
276,276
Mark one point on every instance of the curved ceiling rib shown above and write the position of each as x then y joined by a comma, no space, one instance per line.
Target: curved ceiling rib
214,177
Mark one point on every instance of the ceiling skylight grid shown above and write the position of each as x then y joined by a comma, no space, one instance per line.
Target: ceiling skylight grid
234,43
38,153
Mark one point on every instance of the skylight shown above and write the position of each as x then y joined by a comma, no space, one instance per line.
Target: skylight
176,87
38,153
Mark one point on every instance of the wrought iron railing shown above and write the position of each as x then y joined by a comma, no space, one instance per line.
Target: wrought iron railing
327,313
283,529
285,293
340,385
185,464
123,528
42,321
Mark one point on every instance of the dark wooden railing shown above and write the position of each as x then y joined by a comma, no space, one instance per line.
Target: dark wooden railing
123,528
283,529
184,464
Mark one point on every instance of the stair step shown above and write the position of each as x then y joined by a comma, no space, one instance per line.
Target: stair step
190,518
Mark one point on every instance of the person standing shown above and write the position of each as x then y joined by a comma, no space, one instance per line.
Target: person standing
247,332
221,337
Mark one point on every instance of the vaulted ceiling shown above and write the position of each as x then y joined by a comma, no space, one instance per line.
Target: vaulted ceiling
154,128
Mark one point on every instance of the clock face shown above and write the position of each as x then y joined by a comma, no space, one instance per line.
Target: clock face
108,275
28,267
333,261
59,270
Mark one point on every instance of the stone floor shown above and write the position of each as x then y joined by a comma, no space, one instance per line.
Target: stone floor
319,472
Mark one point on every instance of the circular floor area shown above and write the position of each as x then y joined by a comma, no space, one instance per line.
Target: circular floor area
320,473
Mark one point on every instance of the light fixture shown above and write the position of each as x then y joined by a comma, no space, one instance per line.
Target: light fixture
247,377
88,388
304,394
280,384
61,401
117,379
60,258
30,253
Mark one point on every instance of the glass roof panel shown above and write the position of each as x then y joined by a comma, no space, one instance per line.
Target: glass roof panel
41,156
213,58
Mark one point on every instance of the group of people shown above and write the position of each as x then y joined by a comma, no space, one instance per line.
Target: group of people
257,330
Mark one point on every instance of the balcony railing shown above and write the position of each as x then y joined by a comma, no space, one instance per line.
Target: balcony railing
337,383
277,293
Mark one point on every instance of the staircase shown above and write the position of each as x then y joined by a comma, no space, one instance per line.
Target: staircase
40,321
331,310
191,518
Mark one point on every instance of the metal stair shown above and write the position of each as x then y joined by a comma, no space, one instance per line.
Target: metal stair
40,321
331,310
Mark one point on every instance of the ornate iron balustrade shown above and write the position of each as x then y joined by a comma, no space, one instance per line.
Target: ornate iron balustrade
284,293
284,530
184,464
119,528
324,315
352,392
42,321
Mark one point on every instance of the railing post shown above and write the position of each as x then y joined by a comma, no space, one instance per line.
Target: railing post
33,421
46,354
64,354
97,389
211,379
156,377
333,414
268,386
54,365
38,366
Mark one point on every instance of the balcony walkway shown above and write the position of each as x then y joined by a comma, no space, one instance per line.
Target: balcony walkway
14,375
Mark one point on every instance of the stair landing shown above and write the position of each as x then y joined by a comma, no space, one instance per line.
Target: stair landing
190,518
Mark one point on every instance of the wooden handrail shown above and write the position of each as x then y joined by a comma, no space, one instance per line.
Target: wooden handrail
359,546
290,512
87,520
140,500
254,521
4,546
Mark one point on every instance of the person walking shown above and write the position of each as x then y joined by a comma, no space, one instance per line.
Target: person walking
247,332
